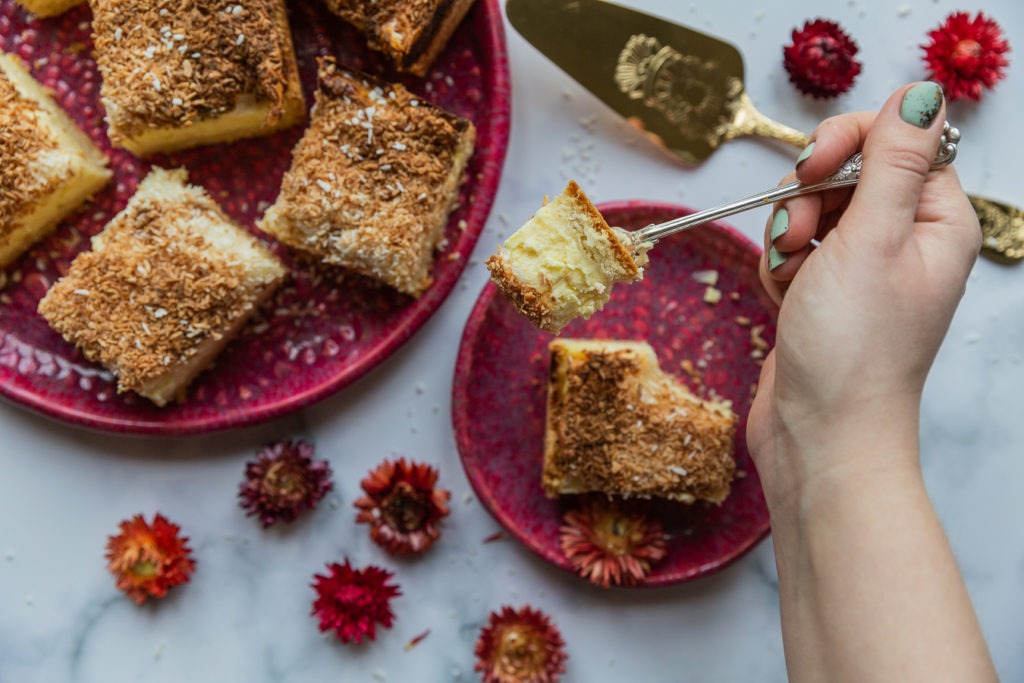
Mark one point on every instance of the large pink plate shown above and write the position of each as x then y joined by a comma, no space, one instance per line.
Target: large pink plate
501,379
325,329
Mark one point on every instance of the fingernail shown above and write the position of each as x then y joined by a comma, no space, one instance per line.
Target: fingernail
921,104
775,258
808,150
780,223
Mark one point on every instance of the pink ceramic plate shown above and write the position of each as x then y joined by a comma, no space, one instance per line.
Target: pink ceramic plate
501,379
324,329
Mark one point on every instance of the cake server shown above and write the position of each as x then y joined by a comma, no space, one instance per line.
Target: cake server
684,89
1002,229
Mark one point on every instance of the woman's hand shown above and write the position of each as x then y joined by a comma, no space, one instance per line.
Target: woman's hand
864,313
869,588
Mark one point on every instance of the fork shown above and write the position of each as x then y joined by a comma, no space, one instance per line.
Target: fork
846,175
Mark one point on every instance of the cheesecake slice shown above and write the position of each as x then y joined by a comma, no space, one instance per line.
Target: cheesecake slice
562,264
412,34
373,179
168,283
183,75
48,8
48,167
618,425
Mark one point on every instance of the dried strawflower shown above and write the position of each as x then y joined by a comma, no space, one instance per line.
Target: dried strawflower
820,61
149,559
283,482
610,544
965,55
352,602
520,646
403,506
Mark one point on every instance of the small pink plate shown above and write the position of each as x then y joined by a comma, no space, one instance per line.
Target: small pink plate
498,401
324,329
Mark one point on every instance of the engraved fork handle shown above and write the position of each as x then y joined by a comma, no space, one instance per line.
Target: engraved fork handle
847,174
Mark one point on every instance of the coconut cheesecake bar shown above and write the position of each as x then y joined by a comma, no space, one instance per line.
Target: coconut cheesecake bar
619,425
562,263
373,179
182,75
168,283
48,8
412,34
48,167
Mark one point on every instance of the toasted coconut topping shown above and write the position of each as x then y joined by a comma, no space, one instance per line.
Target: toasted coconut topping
24,142
373,179
168,63
618,425
411,32
153,289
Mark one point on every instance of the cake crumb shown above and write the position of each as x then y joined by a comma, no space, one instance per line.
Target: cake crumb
706,277
712,296
692,372
757,341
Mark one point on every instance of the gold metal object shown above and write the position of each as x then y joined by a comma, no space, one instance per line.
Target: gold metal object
682,88
1002,229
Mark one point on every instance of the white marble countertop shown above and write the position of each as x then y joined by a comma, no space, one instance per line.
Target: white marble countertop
245,614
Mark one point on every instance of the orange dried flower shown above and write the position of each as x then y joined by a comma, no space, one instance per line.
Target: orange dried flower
520,646
610,544
403,506
149,559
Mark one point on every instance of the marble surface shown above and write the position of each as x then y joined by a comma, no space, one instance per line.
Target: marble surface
245,614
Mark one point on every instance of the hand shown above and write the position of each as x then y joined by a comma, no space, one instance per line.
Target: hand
862,314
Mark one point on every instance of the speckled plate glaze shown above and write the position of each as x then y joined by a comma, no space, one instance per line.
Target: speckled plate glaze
501,382
325,328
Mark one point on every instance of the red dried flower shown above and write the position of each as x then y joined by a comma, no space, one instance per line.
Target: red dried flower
820,62
403,506
609,544
966,55
284,482
351,602
148,560
520,646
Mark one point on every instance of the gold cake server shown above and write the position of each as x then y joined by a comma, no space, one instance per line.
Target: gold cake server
683,88
1002,229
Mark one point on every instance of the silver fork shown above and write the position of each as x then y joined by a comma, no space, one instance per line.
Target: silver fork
847,174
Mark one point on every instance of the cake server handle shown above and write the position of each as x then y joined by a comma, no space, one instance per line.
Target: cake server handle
848,174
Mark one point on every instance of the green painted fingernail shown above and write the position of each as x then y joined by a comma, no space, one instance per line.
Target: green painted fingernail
921,104
775,258
780,223
808,150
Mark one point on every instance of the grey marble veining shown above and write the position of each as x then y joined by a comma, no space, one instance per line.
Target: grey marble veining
245,614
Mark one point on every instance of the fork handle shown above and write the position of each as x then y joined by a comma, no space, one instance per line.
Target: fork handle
848,174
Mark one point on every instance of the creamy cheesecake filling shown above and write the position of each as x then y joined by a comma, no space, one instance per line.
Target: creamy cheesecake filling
562,264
